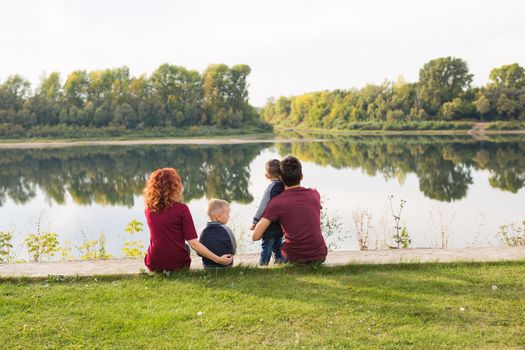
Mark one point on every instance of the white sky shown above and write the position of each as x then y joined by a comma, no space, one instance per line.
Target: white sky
292,46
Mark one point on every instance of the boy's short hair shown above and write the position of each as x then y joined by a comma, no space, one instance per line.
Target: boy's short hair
273,168
216,207
292,171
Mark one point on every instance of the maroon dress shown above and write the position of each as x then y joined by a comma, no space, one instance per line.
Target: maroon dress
169,230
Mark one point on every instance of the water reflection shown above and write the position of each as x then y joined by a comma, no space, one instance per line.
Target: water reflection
443,165
115,175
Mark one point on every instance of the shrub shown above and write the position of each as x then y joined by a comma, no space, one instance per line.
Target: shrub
94,249
42,245
512,235
5,246
506,125
133,249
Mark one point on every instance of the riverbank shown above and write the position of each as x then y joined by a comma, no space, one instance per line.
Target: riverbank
282,136
475,131
249,139
420,306
391,256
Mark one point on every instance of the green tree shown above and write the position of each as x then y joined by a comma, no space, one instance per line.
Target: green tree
482,105
51,87
510,76
13,93
45,104
455,109
180,92
76,88
225,97
506,107
441,80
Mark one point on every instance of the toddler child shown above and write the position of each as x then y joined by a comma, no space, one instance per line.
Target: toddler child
216,236
273,236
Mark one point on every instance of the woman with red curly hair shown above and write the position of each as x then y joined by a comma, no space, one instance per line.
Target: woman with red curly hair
170,225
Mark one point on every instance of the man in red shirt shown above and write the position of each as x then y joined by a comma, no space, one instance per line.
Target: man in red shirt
298,210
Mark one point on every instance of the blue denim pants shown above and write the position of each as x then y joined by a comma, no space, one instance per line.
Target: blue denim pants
271,244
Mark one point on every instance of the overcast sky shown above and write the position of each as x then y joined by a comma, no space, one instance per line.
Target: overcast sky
292,46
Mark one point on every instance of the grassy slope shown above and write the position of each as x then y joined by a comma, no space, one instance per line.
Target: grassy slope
390,306
147,134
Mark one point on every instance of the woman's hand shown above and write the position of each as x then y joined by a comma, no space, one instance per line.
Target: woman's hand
226,259
204,252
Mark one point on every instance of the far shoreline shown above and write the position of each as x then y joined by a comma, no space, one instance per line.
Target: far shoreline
248,138
15,144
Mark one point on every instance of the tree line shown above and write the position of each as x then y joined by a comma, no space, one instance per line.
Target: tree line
172,96
442,93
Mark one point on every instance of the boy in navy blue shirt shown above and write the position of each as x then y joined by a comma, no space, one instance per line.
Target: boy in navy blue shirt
216,236
273,236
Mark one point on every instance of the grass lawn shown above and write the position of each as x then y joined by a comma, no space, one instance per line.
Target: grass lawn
420,306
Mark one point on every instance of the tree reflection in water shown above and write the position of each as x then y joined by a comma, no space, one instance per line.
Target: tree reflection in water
116,175
443,164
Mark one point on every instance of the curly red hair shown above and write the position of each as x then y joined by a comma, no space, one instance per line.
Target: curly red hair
163,187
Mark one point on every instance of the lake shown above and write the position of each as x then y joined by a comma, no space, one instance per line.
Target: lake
458,190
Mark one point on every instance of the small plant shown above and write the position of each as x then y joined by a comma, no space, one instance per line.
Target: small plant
404,238
512,235
133,249
331,227
55,278
242,234
401,237
94,249
441,219
65,252
5,246
362,221
42,245
134,226
479,231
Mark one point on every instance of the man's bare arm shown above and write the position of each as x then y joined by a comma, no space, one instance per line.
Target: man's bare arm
261,226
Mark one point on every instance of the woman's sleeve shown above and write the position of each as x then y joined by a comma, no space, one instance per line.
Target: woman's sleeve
188,227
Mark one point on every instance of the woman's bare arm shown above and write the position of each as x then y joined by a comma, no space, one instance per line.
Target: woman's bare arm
225,259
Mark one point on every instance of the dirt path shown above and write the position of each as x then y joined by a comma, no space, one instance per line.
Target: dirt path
133,266
182,141
478,131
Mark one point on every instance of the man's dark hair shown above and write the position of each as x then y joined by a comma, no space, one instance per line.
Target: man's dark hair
292,171
273,168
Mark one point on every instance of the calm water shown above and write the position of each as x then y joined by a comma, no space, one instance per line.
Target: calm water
464,187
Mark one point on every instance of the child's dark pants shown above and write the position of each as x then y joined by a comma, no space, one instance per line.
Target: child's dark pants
271,244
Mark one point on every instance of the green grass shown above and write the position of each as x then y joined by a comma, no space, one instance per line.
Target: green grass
61,132
383,306
506,125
